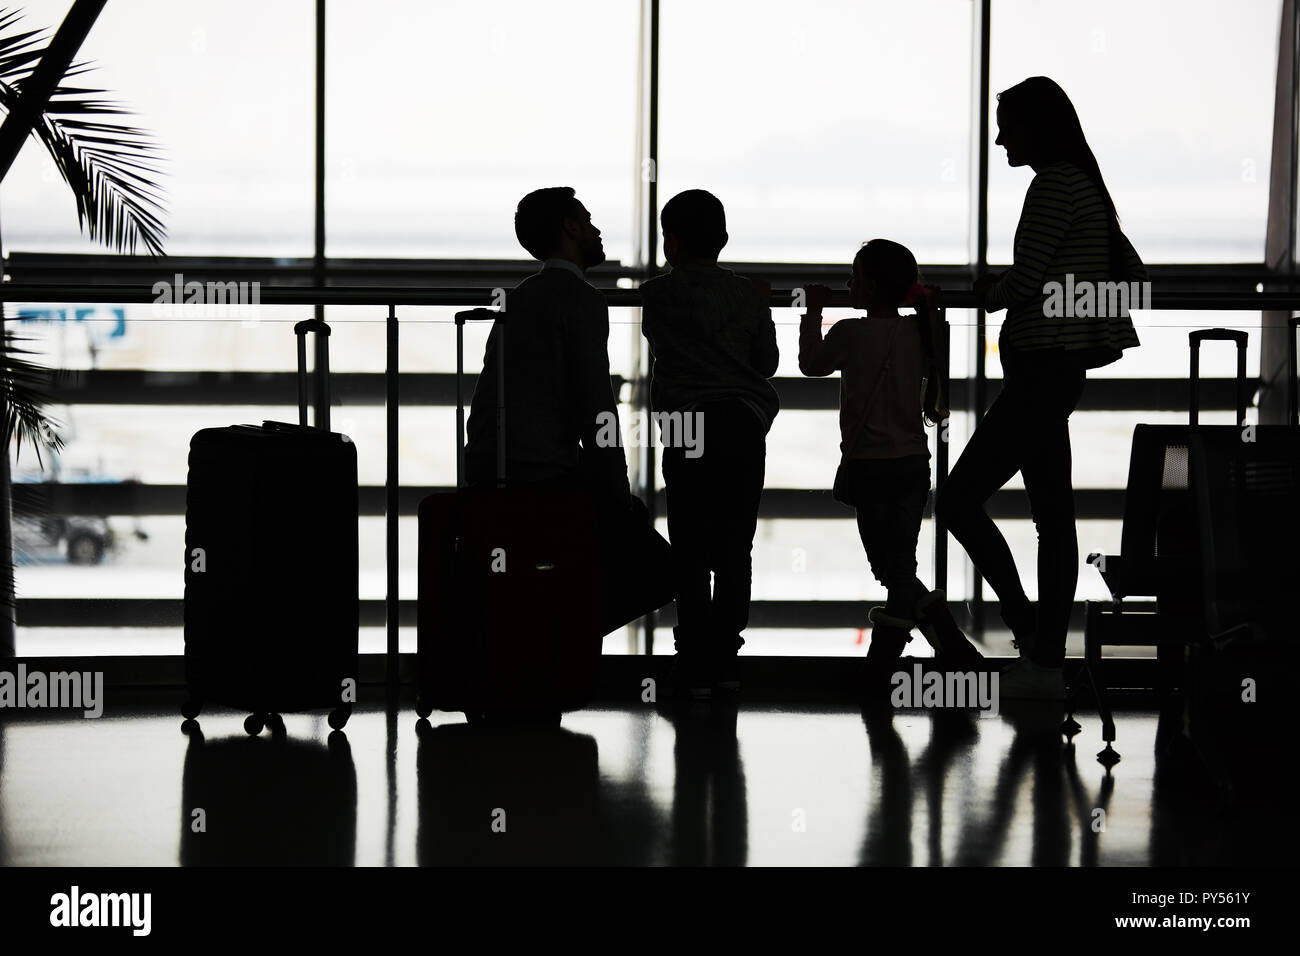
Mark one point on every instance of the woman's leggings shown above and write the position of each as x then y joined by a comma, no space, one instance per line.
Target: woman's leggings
1026,430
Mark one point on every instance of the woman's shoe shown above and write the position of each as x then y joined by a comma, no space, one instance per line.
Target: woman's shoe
1022,627
952,648
1025,680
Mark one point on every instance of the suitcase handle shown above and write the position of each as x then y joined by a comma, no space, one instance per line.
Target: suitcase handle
1292,386
322,371
1194,379
480,315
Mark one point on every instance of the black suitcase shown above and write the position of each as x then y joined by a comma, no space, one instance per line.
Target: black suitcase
271,609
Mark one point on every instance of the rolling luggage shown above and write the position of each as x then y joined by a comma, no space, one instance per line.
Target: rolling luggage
1167,548
1246,497
509,587
271,609
517,586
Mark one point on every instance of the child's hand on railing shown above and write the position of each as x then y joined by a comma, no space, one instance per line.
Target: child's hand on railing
923,297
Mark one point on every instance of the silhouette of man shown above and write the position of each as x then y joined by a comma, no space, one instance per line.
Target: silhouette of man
561,413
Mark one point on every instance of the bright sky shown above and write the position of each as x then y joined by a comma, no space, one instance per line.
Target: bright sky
819,124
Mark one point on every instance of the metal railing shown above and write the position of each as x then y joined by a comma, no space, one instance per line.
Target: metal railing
390,387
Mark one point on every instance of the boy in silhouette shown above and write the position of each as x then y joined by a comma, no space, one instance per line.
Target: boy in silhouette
713,345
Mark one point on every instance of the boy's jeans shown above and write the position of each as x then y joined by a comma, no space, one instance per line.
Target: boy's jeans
890,496
712,515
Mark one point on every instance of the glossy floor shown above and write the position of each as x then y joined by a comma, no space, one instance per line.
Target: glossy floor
761,785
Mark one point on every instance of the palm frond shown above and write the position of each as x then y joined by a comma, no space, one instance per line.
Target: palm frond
24,391
18,51
112,167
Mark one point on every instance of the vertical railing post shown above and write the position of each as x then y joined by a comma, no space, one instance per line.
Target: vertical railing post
941,462
318,205
392,483
460,403
649,265
979,396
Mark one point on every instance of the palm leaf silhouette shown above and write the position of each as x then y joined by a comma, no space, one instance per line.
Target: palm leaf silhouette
112,169
24,392
23,395
111,166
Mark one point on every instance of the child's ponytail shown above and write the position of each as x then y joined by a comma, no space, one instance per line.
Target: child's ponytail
934,341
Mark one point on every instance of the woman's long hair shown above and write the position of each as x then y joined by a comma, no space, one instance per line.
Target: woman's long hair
898,277
1041,108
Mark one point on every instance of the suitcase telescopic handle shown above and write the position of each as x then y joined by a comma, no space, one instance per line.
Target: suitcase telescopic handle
1194,379
322,400
1292,386
480,315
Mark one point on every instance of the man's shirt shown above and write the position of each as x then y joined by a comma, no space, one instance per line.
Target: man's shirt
558,395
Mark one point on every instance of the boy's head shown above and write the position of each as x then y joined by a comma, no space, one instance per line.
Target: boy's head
551,223
695,227
883,272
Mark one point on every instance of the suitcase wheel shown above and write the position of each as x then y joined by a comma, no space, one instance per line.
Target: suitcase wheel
253,724
191,708
339,716
422,706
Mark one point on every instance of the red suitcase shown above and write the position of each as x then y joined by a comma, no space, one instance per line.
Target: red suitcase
510,586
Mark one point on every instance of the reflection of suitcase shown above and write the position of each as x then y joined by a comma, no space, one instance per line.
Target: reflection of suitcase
510,588
268,802
271,610
509,796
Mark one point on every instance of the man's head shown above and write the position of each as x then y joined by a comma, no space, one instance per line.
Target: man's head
695,227
550,223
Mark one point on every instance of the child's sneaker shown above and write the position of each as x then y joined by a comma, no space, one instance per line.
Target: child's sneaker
692,676
727,674
952,649
889,635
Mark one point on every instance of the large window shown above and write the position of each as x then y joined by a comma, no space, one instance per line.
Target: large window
823,127
442,115
227,91
1176,99
819,125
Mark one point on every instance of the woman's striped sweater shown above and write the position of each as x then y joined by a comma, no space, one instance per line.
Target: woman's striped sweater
1064,237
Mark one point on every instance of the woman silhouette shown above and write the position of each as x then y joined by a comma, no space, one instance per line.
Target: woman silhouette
1069,234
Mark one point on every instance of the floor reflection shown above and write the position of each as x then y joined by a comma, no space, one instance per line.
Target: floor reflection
702,785
268,801
491,795
709,819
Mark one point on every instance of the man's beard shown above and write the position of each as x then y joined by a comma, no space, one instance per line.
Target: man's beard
593,255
